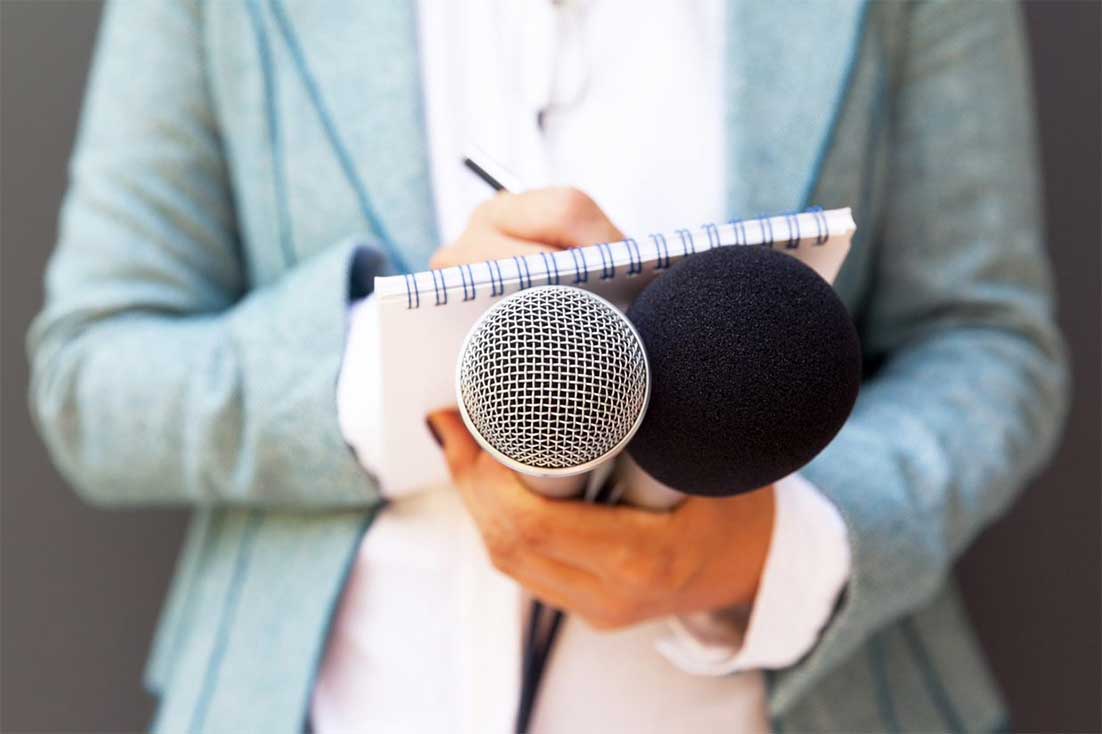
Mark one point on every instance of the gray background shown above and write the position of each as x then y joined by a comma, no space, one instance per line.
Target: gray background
81,587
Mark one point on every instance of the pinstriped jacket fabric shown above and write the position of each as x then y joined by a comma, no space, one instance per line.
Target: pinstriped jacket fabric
233,159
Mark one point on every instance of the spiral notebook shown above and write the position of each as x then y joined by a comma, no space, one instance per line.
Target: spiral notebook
423,317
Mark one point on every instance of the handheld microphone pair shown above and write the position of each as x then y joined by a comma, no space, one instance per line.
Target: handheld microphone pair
729,372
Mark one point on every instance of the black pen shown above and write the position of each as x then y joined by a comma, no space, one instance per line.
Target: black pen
493,174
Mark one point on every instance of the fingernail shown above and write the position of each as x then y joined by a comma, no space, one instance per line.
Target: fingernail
433,431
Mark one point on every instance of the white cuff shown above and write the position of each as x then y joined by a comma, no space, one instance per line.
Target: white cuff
807,567
359,385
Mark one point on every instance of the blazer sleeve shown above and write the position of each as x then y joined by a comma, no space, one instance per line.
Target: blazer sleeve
158,376
971,394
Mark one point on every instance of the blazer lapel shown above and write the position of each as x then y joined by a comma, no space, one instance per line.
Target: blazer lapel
788,69
358,68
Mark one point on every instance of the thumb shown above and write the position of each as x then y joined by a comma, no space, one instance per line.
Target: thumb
460,448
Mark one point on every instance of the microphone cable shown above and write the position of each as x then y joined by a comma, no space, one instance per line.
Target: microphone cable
537,652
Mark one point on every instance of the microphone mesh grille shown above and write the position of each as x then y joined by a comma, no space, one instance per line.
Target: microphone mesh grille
553,377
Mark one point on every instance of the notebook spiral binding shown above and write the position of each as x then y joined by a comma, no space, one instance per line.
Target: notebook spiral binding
662,257
662,252
635,266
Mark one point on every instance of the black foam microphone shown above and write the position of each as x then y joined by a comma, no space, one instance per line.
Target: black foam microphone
755,366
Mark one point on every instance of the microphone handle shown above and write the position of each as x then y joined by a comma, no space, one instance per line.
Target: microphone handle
559,488
639,489
631,484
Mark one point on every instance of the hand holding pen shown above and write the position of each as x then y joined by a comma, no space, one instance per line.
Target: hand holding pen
519,224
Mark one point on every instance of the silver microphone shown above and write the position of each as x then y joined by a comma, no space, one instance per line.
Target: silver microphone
552,381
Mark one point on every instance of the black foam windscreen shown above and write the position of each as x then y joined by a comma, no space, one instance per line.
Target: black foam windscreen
755,365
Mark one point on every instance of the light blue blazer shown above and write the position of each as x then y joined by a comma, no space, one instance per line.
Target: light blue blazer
234,155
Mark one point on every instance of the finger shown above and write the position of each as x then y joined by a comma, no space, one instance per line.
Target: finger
479,247
609,542
563,217
587,597
605,541
482,482
488,490
460,449
497,500
560,585
515,521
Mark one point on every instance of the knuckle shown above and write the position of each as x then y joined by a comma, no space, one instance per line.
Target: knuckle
573,203
664,571
617,615
531,528
501,544
661,572
483,214
502,563
599,619
451,255
639,570
440,260
598,623
632,570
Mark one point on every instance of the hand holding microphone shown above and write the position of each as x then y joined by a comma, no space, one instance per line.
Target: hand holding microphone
613,566
754,367
757,368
